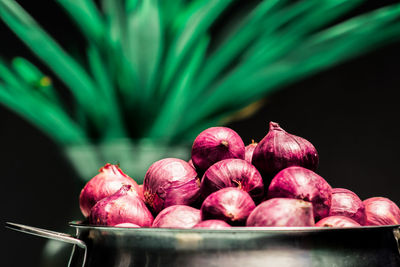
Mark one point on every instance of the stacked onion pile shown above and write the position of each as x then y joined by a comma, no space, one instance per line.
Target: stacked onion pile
225,184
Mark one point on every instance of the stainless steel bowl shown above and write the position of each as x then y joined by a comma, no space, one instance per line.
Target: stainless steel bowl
240,246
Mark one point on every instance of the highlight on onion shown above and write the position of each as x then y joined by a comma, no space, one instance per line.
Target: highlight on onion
107,182
279,150
177,216
168,182
229,204
233,173
282,212
347,203
212,224
124,206
127,225
215,144
301,183
337,221
381,211
249,149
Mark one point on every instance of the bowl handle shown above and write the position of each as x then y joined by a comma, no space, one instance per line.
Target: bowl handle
50,235
396,233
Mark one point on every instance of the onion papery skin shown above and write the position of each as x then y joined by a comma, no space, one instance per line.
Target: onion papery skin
282,212
212,224
168,182
215,144
127,225
230,204
347,203
279,150
301,183
124,206
109,180
381,211
140,191
177,216
337,221
249,150
233,173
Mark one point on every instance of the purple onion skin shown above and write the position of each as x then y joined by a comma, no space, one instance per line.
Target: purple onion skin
282,212
229,204
215,144
177,216
337,221
107,182
190,162
279,150
347,203
249,150
212,224
233,173
168,182
301,183
381,211
124,206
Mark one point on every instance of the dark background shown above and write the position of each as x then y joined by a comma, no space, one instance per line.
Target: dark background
350,113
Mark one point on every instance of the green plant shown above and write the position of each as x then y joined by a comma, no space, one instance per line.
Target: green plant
155,70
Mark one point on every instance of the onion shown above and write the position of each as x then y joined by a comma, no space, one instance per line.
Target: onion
233,173
124,206
127,225
230,204
215,144
381,211
347,203
177,216
212,224
301,183
140,191
107,182
190,162
249,149
279,149
337,221
168,182
281,212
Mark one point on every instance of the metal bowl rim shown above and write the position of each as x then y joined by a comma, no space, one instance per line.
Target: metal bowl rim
84,226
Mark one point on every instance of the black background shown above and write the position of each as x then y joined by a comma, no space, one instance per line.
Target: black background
350,113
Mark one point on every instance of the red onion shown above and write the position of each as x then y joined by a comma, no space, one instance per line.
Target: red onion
127,225
124,206
168,182
230,204
233,173
301,183
337,221
347,203
249,149
212,224
381,211
279,149
215,144
140,191
177,216
107,182
190,162
281,212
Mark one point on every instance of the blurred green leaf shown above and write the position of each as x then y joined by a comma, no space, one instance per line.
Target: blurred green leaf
86,16
64,66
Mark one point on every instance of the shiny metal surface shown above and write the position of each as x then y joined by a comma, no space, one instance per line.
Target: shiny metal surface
244,247
53,235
